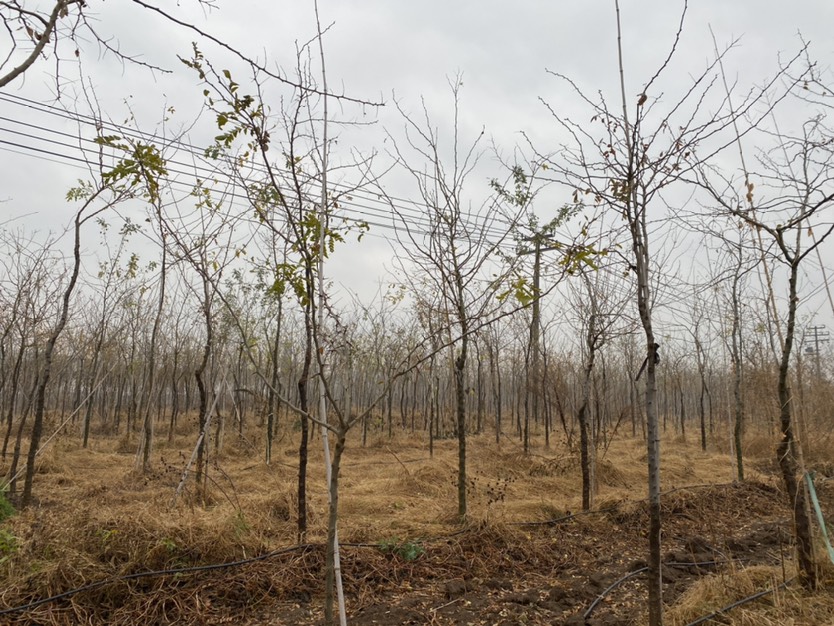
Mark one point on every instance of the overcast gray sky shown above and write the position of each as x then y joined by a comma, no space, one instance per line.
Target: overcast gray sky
380,50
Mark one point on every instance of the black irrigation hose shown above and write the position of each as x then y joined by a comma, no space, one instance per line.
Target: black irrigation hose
610,588
730,607
150,574
620,581
191,569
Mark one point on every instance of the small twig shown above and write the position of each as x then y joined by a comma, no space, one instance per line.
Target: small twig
252,62
194,452
443,606
391,452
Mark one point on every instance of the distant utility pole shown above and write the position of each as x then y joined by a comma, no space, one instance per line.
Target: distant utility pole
535,376
820,335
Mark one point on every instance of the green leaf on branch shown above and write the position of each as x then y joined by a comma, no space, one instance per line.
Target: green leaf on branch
521,194
83,191
579,257
143,166
289,275
519,289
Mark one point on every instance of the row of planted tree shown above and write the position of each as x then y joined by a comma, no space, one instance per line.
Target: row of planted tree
385,369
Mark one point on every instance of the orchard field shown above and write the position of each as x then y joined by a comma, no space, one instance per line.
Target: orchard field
290,335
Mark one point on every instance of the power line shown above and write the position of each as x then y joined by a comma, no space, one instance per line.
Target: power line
413,210
382,214
358,215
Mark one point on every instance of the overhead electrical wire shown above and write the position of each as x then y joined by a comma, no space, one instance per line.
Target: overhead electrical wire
394,209
412,210
358,212
358,216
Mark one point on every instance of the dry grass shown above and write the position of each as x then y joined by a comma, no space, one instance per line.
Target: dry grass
788,605
96,518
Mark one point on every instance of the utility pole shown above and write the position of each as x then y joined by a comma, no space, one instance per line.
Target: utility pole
820,335
534,377
534,345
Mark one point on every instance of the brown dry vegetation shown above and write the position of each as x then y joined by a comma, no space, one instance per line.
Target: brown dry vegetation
524,557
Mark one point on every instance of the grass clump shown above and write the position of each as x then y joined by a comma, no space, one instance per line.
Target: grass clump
8,545
6,508
406,550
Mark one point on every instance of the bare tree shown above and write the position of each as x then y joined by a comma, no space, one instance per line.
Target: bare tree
795,190
30,31
454,247
59,30
627,161
143,454
94,202
108,295
599,309
31,284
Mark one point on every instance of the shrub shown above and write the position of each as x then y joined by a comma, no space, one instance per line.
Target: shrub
406,550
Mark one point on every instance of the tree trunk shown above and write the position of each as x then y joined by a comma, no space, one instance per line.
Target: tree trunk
331,557
303,404
13,392
702,414
460,392
88,413
786,451
46,372
738,426
203,390
586,446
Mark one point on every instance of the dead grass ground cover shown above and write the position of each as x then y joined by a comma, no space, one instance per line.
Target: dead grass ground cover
406,558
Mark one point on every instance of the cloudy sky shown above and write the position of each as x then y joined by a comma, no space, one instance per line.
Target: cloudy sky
390,51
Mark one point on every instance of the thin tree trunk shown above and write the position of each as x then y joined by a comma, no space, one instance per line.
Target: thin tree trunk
738,379
203,391
303,404
332,560
143,457
635,214
272,417
585,444
13,392
460,393
786,452
46,372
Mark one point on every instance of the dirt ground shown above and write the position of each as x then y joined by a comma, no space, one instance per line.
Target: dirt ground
527,555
